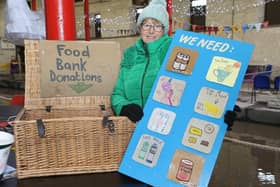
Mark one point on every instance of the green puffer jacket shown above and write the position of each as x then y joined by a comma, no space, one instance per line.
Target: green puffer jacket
139,67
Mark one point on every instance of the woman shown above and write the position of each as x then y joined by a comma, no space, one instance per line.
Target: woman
141,62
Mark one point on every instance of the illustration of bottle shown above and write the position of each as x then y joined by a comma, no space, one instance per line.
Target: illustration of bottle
184,170
143,151
152,152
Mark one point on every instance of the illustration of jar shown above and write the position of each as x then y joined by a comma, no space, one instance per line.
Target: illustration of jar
181,62
152,152
185,62
184,170
143,151
177,61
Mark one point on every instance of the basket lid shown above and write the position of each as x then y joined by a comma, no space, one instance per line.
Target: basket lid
70,73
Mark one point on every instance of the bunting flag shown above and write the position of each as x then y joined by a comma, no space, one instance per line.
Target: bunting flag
216,29
185,26
236,28
194,28
226,29
258,26
265,24
245,27
251,26
209,29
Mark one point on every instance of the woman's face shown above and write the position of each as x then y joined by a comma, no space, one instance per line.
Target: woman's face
151,30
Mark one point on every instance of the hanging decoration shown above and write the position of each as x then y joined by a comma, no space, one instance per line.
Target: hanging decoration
226,29
217,7
181,10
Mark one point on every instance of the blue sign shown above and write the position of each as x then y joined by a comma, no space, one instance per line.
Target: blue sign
179,138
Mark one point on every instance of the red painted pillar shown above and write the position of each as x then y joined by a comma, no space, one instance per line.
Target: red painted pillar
87,25
33,5
169,10
60,20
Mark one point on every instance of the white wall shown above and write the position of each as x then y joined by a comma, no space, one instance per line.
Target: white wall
266,41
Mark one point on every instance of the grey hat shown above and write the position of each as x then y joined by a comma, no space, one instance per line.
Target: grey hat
156,10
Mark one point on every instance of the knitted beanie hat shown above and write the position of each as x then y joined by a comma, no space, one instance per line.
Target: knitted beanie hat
156,10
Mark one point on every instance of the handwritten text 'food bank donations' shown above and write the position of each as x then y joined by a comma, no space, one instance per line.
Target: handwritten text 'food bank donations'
77,70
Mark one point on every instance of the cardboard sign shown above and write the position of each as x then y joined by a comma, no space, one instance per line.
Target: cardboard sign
178,140
78,68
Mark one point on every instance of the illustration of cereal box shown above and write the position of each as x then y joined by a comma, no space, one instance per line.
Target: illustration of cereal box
211,102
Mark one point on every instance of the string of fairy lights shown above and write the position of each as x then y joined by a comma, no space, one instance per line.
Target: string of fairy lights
218,7
181,9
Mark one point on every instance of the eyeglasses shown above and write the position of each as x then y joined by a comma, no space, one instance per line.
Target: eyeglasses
148,26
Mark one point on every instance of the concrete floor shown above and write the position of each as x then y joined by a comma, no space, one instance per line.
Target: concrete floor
250,155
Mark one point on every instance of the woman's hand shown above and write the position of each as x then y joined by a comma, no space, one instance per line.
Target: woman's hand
133,111
230,117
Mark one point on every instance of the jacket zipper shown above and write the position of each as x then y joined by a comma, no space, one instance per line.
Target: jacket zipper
144,73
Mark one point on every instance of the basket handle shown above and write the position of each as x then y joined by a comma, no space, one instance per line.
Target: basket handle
48,108
106,121
41,128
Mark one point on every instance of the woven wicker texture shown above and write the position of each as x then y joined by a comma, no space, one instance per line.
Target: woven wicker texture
70,146
63,113
76,140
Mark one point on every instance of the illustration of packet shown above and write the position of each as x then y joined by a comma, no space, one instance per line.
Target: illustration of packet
211,102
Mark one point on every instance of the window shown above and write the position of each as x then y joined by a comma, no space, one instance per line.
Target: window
272,12
198,11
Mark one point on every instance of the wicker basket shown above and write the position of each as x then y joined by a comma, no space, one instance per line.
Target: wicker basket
66,135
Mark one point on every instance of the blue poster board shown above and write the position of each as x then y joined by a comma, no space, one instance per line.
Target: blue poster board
179,138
